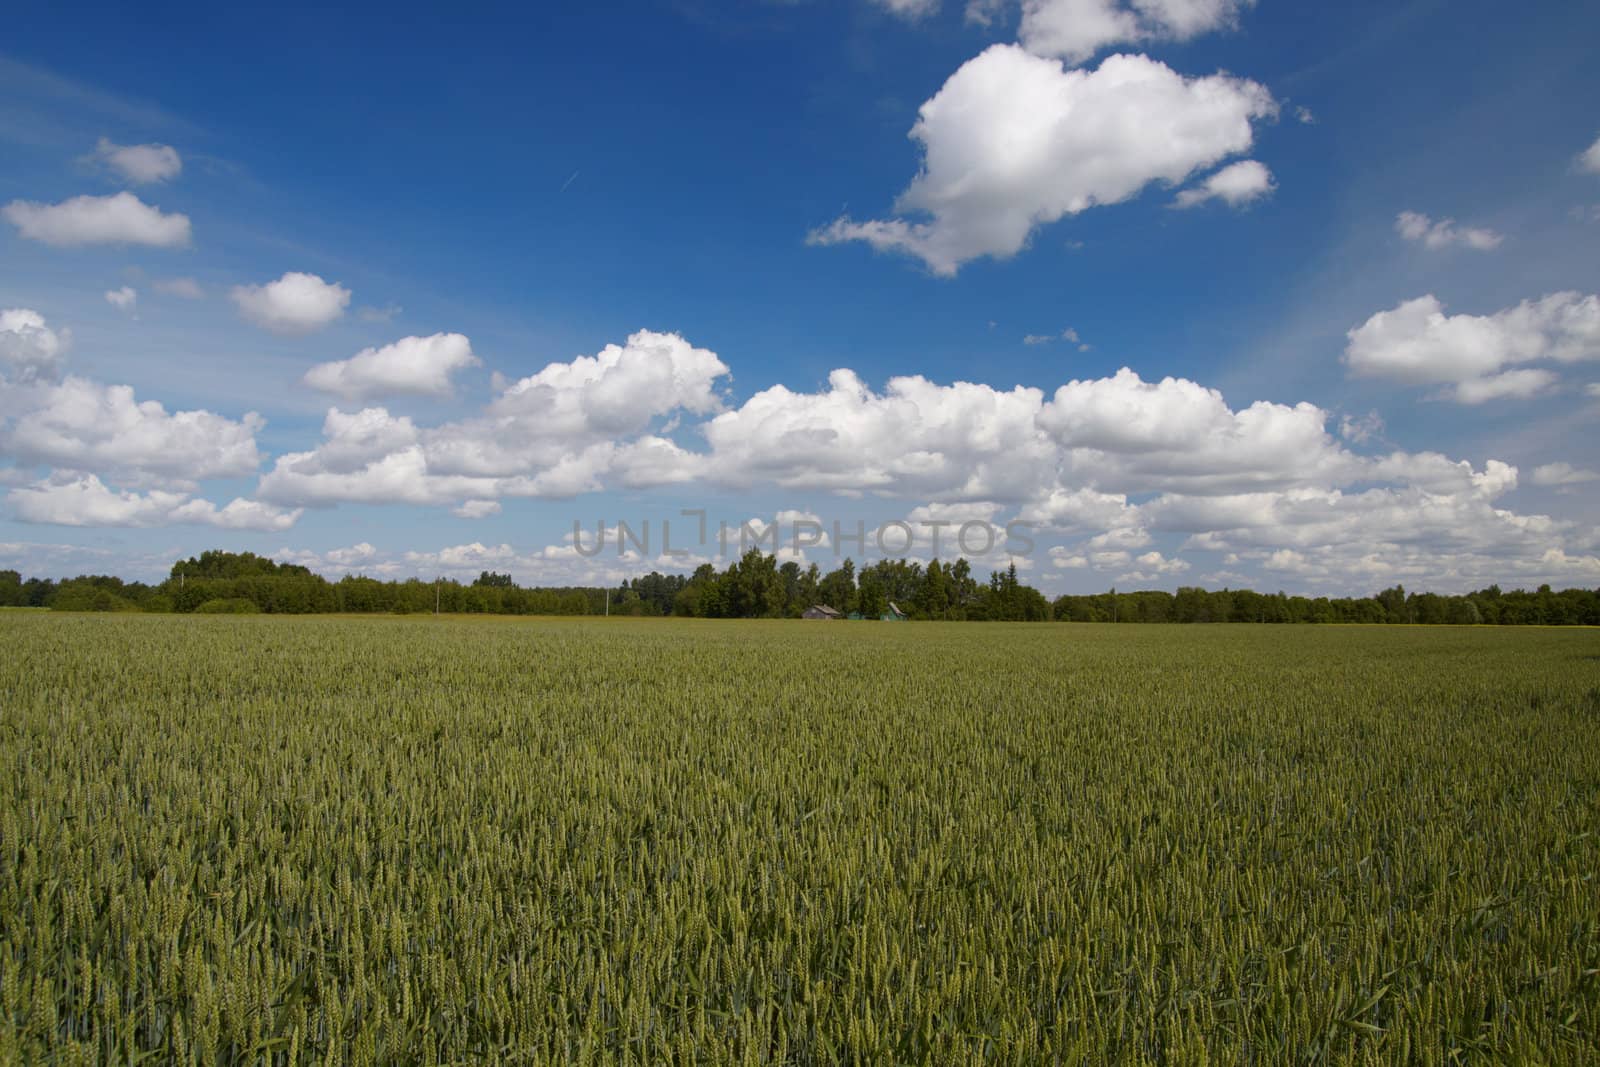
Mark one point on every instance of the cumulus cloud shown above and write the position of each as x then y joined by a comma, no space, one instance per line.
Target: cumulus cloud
1153,567
297,303
86,426
917,439
85,500
360,558
414,366
620,389
1125,434
1237,185
30,351
556,433
1444,233
1590,159
1141,475
187,288
1416,343
1014,141
87,220
1074,30
124,299
140,163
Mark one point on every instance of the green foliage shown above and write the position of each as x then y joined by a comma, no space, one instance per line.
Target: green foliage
1572,607
98,593
218,564
230,606
413,840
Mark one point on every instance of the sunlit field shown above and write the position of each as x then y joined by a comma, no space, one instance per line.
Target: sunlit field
446,840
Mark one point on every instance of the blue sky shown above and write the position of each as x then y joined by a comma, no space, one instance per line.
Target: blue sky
1359,240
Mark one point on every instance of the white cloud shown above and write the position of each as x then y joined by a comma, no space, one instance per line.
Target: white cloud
1075,30
1507,385
1416,343
1304,116
86,501
1153,567
1237,185
618,390
296,303
414,366
30,351
1590,159
917,439
1123,537
124,299
1560,474
140,163
377,314
85,426
86,220
1359,429
187,288
1125,434
909,9
1129,468
359,558
556,433
1444,233
1067,559
1013,142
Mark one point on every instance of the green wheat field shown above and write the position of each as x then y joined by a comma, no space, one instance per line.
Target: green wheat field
421,840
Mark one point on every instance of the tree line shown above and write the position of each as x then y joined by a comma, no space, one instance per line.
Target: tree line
757,586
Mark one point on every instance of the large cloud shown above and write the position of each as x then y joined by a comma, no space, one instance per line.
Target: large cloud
296,303
30,351
87,220
1132,479
917,438
1124,434
86,501
1416,343
557,433
86,426
415,366
1014,141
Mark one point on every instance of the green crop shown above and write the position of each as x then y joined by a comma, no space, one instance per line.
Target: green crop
420,840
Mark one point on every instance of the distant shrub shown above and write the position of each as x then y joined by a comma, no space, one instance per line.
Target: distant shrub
231,606
91,599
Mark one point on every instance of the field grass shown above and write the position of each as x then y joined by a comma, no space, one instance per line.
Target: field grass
449,840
